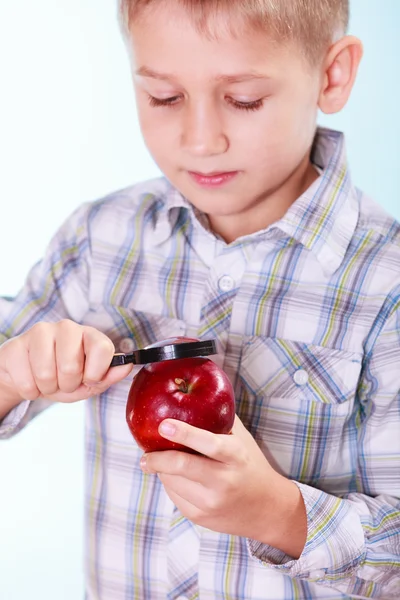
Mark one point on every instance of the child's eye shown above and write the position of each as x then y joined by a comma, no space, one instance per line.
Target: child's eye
163,102
254,105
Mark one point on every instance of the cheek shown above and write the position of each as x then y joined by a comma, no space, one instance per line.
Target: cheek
266,140
304,108
291,128
269,131
147,120
148,116
295,106
278,145
159,126
154,132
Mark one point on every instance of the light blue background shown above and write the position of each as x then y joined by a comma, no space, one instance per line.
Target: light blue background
69,134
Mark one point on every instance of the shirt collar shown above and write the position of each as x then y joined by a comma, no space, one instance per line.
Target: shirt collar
322,219
169,210
169,203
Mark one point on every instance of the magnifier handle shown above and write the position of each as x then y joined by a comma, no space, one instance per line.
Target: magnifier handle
123,359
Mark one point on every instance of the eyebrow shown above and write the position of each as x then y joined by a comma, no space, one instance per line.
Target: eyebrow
147,72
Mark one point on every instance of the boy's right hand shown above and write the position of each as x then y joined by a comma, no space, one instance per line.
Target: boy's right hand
63,362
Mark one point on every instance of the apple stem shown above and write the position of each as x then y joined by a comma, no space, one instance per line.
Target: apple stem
182,384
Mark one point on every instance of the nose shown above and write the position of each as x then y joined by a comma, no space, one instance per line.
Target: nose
203,133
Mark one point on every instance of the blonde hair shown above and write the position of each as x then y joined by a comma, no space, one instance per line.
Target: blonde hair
313,24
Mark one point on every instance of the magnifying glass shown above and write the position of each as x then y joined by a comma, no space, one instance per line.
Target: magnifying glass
169,349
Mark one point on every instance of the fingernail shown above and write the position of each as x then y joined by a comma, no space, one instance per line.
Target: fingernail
167,429
143,462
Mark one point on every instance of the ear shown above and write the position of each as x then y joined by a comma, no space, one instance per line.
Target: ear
340,70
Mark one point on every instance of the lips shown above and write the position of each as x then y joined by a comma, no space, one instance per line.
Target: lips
213,174
213,179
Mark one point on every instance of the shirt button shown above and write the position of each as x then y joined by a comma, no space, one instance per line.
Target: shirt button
127,345
319,574
226,283
301,377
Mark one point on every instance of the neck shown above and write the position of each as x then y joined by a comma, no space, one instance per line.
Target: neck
268,208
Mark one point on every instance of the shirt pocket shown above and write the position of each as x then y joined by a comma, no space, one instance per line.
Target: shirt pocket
298,401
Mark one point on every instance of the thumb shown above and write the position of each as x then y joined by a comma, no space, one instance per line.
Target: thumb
114,375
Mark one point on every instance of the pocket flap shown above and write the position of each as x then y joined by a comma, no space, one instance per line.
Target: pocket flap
289,369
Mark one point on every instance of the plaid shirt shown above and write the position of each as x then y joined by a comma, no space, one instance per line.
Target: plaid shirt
306,314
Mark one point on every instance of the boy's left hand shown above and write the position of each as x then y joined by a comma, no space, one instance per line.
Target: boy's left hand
231,488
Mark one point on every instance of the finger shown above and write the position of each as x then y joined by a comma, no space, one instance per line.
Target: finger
206,500
18,369
99,350
187,509
192,467
114,375
42,358
5,377
69,356
219,447
85,391
190,491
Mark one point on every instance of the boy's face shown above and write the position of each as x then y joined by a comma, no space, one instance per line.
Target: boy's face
242,106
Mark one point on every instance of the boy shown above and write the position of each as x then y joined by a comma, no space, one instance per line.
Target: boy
255,237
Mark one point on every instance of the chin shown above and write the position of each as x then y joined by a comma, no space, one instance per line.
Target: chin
218,202
217,206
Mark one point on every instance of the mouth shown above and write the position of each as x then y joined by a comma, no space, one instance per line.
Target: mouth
214,178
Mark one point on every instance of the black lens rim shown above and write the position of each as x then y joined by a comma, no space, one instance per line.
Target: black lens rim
146,356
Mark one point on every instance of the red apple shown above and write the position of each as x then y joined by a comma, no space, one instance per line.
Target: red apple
194,390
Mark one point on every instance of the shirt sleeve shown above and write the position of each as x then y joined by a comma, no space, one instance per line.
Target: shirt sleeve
56,288
353,542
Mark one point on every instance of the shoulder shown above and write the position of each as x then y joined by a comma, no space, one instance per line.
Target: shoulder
130,200
374,219
115,212
378,232
373,259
